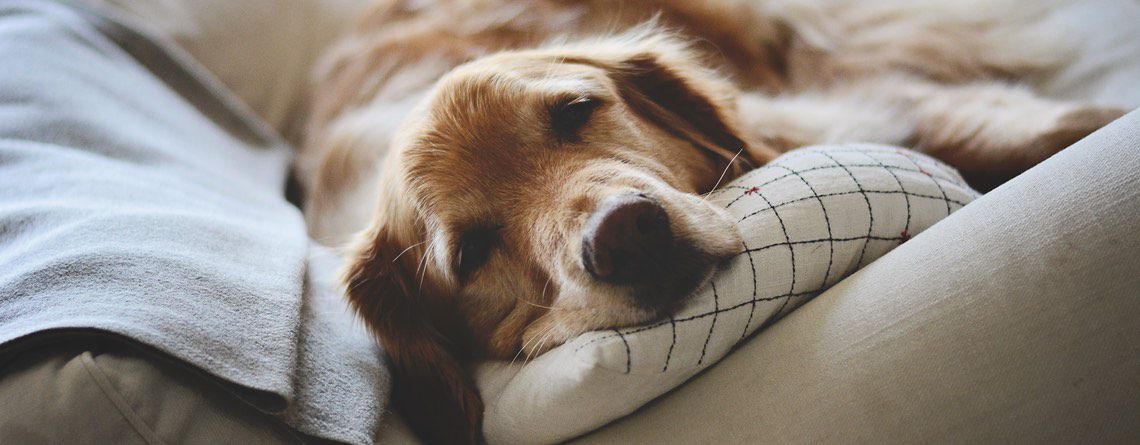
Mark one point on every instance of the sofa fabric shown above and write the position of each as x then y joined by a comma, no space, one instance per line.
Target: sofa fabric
1016,320
118,395
140,200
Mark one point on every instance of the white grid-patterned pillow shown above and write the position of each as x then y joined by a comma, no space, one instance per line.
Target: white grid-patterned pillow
809,219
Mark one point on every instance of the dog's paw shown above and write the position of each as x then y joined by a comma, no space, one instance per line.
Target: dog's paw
1072,127
993,165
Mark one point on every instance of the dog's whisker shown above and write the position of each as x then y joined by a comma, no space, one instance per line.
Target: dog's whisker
548,280
724,173
524,300
541,297
516,357
524,345
522,348
422,263
413,246
537,338
534,340
538,346
423,272
422,268
528,359
542,347
546,335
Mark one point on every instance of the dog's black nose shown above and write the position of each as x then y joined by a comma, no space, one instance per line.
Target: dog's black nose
626,240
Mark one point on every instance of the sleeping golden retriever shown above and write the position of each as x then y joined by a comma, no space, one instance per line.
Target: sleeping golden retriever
519,172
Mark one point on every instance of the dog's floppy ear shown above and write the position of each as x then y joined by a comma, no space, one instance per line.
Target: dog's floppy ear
431,388
670,90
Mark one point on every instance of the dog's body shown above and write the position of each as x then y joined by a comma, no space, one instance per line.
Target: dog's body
530,195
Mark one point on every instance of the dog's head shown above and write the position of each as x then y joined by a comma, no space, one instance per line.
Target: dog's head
537,195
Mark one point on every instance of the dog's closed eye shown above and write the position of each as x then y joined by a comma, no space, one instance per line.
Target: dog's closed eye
474,250
568,118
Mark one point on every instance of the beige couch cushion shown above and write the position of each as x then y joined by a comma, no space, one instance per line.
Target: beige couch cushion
1015,319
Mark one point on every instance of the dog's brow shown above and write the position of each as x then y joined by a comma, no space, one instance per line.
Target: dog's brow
442,249
574,86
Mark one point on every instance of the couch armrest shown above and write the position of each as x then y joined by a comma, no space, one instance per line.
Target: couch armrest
1017,318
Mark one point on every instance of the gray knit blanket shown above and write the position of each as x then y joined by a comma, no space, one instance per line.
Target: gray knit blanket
140,201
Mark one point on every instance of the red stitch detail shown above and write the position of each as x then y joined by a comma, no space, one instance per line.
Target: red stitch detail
905,236
751,190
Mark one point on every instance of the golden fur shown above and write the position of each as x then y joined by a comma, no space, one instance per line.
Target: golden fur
433,120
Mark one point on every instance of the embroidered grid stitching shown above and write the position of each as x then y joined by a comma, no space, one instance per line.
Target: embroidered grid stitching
936,183
755,292
906,228
712,326
826,220
867,200
791,251
673,343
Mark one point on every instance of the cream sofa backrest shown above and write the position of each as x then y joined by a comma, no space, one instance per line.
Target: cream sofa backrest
264,50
